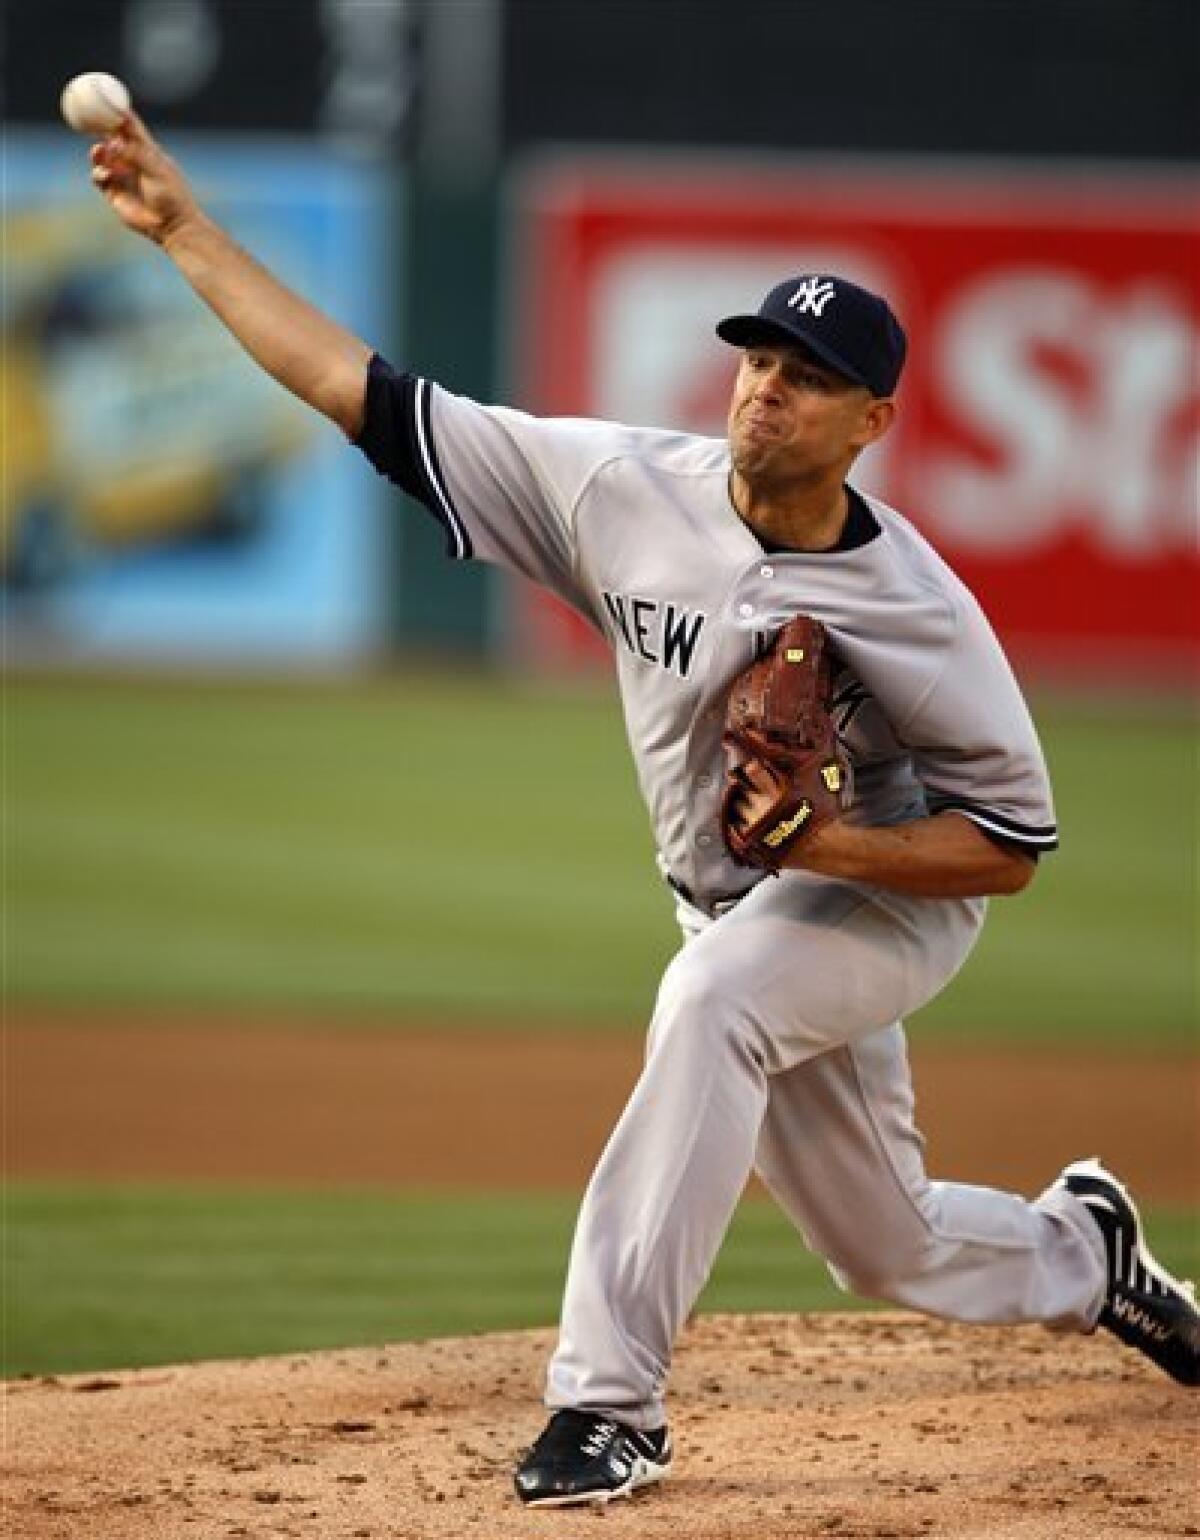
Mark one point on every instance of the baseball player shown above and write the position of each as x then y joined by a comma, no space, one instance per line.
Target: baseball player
775,1043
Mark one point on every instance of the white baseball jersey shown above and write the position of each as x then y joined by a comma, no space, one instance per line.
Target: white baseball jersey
634,528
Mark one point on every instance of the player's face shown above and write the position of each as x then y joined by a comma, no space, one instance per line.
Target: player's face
792,418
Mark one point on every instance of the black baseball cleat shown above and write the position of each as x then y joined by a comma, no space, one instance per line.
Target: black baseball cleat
1144,1306
582,1457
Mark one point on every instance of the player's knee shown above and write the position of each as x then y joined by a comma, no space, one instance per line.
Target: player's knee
880,1286
890,1270
701,1007
693,984
867,1284
887,1285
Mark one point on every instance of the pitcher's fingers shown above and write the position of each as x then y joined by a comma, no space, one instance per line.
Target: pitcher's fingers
761,776
111,181
138,154
112,159
133,134
106,153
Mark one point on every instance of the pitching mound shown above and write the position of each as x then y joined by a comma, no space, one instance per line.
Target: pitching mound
810,1426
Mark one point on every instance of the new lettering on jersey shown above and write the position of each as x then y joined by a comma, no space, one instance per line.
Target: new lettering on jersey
656,633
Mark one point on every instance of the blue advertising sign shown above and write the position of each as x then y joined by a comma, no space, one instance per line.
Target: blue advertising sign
163,499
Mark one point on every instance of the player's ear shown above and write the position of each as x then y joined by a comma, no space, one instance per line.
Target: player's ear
879,413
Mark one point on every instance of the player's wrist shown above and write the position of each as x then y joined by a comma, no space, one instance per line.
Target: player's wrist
836,849
188,233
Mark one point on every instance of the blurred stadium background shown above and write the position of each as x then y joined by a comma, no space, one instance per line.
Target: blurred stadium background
268,754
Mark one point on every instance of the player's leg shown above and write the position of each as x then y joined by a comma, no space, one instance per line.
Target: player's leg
840,1152
793,970
652,1219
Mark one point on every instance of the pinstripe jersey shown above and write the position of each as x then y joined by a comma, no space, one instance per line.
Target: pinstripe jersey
635,529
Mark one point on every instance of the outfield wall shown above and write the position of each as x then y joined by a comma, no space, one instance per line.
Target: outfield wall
164,501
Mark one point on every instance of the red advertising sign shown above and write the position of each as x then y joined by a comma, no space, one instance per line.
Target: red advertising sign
1049,433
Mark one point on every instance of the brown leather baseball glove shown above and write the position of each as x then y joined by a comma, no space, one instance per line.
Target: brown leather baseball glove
779,735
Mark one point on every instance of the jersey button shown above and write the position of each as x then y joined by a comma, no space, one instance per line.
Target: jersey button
767,571
704,780
704,839
745,611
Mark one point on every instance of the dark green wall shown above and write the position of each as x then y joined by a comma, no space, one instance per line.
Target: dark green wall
449,326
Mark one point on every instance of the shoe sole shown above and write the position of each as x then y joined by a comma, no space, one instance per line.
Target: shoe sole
645,1473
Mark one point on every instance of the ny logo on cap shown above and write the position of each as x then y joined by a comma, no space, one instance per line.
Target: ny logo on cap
813,294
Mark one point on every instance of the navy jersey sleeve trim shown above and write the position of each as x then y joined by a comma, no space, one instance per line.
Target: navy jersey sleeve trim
1004,830
397,438
439,504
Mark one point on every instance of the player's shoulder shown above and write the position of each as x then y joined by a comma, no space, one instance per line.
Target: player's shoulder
903,532
907,545
916,563
618,459
597,441
675,452
667,448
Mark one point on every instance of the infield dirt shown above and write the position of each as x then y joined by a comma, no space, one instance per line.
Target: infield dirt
788,1428
178,1099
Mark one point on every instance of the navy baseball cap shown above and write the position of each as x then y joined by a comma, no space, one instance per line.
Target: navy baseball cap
848,328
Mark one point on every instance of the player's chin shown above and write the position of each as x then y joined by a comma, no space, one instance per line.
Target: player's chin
753,457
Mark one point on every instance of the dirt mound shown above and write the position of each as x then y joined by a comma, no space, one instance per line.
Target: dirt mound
806,1426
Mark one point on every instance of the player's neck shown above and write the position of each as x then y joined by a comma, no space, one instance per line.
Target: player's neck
801,518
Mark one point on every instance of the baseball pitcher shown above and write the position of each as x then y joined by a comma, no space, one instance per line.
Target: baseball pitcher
839,769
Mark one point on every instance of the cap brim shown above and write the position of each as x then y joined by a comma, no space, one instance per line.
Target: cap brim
748,331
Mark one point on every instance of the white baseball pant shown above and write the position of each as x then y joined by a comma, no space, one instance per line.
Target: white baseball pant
776,1045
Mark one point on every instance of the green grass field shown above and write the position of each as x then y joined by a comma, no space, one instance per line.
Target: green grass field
141,1275
455,848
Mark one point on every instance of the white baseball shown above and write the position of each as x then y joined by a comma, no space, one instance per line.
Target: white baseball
94,103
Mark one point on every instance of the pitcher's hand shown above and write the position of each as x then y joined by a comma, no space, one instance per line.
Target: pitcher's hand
141,183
